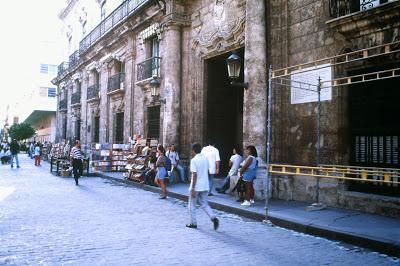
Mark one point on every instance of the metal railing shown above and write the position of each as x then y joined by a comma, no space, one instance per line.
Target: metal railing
73,59
62,68
93,92
372,175
76,98
116,82
123,11
148,68
62,105
339,8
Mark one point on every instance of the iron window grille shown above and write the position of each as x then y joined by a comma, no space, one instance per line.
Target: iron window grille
116,82
153,122
93,92
73,59
149,68
62,105
76,98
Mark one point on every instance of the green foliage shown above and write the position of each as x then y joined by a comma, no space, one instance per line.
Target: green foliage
21,131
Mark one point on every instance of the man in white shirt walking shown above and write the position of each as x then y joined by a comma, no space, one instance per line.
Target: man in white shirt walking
212,155
199,187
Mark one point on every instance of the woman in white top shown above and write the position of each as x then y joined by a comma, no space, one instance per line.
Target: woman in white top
234,163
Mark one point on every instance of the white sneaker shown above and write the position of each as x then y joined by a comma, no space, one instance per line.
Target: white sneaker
246,203
252,201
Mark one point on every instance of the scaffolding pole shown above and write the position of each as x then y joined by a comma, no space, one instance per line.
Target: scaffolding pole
268,154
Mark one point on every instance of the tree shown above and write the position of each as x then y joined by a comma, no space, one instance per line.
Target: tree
21,131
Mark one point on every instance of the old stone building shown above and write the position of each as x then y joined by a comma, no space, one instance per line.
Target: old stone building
357,122
105,86
106,94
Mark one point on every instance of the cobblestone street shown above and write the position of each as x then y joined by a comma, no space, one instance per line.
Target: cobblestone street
47,220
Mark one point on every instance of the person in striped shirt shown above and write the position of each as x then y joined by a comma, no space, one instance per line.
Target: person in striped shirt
76,161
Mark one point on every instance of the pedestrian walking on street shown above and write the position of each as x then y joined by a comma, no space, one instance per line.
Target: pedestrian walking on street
76,161
248,173
199,187
37,152
212,154
161,175
14,149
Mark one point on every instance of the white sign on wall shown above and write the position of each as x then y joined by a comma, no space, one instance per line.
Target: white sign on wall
310,76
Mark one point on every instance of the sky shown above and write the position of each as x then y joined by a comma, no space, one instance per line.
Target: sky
30,35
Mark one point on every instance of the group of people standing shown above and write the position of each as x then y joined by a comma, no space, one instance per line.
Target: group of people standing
245,169
9,152
167,166
204,166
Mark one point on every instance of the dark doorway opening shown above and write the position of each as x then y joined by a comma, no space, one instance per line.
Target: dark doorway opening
96,129
119,127
224,120
374,129
153,122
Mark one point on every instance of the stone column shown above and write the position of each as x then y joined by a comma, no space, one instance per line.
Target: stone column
69,114
255,98
103,104
171,61
129,84
84,110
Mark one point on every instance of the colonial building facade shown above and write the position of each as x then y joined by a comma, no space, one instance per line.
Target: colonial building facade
106,94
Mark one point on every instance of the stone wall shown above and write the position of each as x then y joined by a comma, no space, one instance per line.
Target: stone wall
332,193
299,34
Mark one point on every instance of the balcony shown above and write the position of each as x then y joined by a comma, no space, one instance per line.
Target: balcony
93,93
361,17
62,68
149,68
123,11
116,83
76,99
339,8
73,59
62,105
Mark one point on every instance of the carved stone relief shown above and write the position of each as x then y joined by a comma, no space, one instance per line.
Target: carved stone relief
220,38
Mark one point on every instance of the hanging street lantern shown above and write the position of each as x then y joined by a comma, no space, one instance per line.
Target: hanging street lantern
155,90
234,64
155,87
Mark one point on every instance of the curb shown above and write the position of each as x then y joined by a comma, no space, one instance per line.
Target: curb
389,248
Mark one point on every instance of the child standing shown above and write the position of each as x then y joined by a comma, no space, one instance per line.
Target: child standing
37,154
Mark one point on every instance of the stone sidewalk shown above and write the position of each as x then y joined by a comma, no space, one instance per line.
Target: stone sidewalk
362,229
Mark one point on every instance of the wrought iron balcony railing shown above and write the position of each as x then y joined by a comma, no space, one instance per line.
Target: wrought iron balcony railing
73,59
148,68
123,11
93,92
62,105
62,68
76,98
116,82
339,8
